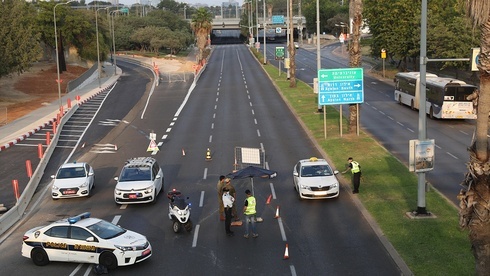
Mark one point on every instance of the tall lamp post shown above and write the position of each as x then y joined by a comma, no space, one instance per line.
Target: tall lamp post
97,34
265,54
57,54
113,13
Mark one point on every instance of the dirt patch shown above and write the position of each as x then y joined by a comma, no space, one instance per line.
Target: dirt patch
21,94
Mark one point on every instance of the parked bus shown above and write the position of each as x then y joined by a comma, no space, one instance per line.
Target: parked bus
446,98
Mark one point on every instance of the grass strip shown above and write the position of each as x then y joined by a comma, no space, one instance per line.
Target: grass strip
388,189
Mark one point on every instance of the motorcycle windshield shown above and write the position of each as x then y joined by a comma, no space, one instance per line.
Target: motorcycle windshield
179,203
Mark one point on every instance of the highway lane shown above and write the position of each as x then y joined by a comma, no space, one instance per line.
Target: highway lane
394,125
233,104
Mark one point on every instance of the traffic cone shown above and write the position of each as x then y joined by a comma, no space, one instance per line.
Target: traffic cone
183,152
286,252
268,199
277,212
208,155
115,147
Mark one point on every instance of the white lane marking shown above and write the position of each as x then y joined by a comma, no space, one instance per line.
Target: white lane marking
116,219
250,103
258,132
76,270
373,107
293,270
124,206
196,234
168,130
281,227
172,123
253,113
214,116
262,147
255,120
273,191
89,269
205,173
212,126
463,132
438,146
210,138
201,201
411,130
391,118
174,119
164,137
399,123
452,155
160,144
382,113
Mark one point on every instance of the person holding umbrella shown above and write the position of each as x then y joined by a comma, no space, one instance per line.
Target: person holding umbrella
233,194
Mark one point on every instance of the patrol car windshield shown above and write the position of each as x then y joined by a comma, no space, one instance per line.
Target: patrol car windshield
135,174
316,170
106,230
71,173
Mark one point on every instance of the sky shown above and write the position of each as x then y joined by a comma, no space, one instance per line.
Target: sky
155,2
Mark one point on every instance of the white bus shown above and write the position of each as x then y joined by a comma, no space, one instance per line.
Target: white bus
446,98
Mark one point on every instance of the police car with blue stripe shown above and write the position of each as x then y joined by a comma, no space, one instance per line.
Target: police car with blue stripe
83,239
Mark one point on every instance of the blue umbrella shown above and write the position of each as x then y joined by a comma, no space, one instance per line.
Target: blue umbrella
251,172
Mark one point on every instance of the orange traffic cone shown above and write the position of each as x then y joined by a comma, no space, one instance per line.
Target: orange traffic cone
268,199
183,152
277,212
286,252
115,147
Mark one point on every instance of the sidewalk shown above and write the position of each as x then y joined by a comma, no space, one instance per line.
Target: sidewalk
20,129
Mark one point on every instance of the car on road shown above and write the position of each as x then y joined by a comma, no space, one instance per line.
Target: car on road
140,181
73,180
83,239
314,178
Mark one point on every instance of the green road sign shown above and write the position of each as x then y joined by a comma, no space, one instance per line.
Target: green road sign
279,52
340,86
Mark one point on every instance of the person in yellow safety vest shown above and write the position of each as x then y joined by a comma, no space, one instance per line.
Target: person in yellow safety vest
249,211
355,168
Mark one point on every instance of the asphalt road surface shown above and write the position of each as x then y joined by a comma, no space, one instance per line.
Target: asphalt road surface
233,105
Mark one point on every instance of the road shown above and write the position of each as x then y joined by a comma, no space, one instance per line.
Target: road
393,125
234,104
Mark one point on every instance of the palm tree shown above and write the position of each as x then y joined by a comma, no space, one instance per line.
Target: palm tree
202,25
474,214
355,11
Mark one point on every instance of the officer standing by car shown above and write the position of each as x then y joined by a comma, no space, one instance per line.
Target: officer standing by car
355,168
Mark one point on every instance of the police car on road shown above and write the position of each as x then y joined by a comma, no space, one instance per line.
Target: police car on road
83,239
314,178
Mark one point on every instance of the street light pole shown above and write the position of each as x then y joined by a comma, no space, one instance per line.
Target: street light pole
57,54
97,34
113,13
265,53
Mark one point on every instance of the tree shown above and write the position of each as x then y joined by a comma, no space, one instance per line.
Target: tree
19,45
355,11
202,25
475,198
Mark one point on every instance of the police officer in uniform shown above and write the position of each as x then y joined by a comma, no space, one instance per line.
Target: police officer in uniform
355,168
228,202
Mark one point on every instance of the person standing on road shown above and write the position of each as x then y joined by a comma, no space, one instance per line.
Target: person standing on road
228,202
219,187
250,211
233,194
355,168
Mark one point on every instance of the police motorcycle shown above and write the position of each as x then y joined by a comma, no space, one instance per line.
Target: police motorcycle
179,211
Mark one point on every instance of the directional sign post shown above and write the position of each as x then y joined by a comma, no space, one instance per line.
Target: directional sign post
340,86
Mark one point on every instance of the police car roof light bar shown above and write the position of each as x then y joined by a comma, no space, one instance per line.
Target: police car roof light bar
74,219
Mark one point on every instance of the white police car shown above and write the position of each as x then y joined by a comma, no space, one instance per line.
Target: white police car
140,181
73,180
314,178
83,239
